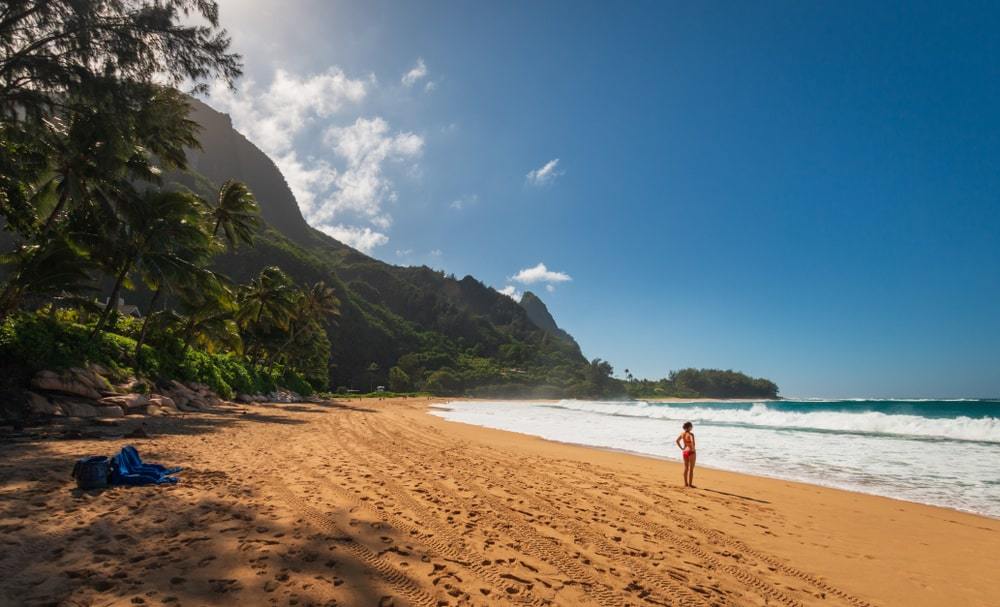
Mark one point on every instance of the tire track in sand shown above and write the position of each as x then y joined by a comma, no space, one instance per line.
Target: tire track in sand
663,581
399,581
543,547
452,546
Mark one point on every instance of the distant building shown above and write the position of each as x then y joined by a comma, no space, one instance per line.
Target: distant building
124,308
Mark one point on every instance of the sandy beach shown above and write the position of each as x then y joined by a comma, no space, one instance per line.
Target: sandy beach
368,502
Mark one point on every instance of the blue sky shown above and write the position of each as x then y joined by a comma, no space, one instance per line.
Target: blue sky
804,191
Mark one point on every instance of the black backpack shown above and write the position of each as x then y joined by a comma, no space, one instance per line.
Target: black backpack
92,472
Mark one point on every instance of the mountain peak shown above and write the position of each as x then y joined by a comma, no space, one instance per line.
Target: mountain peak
539,314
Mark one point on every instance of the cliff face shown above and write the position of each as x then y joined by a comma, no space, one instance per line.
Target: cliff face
387,311
539,314
227,154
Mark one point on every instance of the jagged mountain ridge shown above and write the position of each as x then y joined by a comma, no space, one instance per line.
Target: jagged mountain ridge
539,314
388,311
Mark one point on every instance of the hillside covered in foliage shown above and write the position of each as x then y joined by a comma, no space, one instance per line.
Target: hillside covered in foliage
142,232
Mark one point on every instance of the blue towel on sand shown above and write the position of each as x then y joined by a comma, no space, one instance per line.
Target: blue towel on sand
127,469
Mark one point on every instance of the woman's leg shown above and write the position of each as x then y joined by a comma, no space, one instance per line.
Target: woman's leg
690,477
687,466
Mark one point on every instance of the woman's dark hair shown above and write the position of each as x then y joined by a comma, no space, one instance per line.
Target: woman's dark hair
688,425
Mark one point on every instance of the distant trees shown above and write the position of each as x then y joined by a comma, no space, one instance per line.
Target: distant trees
399,381
704,383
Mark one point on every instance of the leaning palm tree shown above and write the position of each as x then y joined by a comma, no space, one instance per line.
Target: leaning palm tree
45,270
313,307
319,301
172,273
236,213
157,230
208,317
268,300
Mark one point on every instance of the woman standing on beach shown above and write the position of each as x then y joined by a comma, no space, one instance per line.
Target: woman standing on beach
689,453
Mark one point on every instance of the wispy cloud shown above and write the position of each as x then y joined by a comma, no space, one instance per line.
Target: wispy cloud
511,292
362,187
415,74
465,201
538,274
351,182
362,239
545,174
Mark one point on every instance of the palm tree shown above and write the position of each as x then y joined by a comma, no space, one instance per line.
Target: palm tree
44,270
313,306
236,213
210,318
161,233
320,302
268,300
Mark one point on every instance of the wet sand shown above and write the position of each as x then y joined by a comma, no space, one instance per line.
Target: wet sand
367,502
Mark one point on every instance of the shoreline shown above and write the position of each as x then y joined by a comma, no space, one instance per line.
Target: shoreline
676,462
381,502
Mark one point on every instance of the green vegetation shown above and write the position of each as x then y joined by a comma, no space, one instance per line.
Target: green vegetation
86,136
702,383
98,198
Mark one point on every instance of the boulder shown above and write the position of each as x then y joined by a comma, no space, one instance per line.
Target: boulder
92,378
244,398
130,403
162,401
78,409
110,411
39,405
53,382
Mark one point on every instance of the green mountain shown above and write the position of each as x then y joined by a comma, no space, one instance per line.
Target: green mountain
539,314
459,334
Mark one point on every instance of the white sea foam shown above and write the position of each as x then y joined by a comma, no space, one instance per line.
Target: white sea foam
868,451
985,429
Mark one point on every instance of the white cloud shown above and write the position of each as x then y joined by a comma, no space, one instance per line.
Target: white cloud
352,181
511,292
404,252
362,188
416,73
546,174
550,288
272,118
540,273
460,203
362,239
436,253
430,86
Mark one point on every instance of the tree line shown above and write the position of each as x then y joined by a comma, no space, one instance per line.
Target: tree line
701,383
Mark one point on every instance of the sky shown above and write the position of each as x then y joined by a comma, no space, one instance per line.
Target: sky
808,192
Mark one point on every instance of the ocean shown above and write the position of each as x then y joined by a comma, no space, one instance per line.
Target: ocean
939,452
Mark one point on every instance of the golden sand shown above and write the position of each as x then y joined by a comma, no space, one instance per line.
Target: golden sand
378,503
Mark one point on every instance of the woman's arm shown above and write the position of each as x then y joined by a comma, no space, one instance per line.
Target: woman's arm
678,442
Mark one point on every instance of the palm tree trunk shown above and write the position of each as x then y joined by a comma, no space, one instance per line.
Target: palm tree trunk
145,326
47,227
112,300
189,331
215,231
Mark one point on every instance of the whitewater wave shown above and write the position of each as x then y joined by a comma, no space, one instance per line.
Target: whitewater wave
986,429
